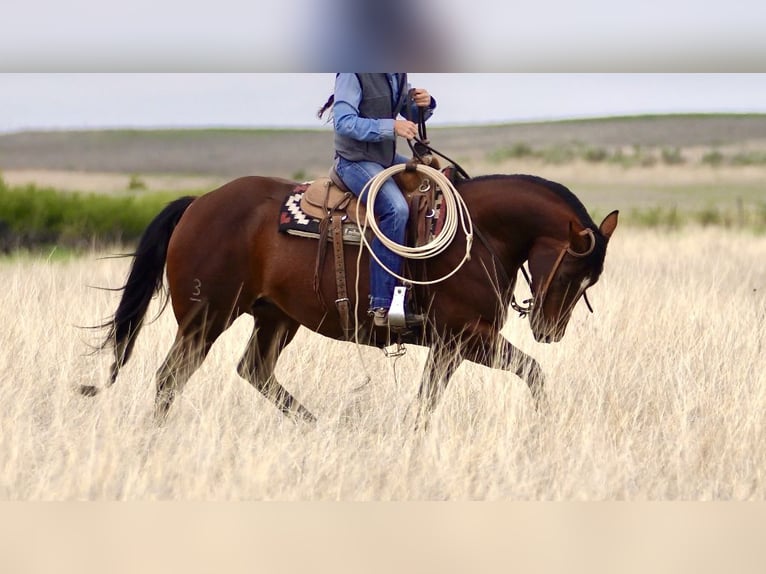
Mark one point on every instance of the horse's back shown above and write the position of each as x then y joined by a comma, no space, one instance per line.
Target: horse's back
226,215
210,253
238,196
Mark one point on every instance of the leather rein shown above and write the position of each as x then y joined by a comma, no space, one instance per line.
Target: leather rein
525,307
554,270
421,149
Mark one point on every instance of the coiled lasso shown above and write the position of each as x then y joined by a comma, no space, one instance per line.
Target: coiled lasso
454,212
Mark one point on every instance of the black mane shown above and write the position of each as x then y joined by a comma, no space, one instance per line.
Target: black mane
561,191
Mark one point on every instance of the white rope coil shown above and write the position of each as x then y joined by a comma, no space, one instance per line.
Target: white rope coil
454,212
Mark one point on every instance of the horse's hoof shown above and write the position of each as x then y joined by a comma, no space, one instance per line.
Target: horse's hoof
89,390
306,417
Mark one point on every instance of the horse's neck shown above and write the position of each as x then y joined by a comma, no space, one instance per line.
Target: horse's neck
520,215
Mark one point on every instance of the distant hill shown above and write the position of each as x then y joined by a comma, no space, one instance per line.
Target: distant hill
235,152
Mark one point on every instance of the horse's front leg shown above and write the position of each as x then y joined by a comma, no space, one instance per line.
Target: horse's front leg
510,358
441,363
488,347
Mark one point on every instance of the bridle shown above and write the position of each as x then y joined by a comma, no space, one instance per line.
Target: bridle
525,307
421,149
554,270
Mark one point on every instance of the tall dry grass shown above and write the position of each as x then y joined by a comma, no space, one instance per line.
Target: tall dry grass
659,395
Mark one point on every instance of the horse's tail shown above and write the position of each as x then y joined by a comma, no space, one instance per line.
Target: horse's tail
144,281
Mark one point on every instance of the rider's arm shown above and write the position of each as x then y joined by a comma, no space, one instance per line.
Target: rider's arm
348,97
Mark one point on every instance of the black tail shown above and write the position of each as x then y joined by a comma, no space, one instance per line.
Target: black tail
144,281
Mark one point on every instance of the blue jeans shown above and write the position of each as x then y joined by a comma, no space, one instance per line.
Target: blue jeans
391,214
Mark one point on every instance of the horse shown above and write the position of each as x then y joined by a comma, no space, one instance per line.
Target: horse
225,257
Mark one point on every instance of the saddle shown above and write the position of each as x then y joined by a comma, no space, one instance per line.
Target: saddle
328,210
326,197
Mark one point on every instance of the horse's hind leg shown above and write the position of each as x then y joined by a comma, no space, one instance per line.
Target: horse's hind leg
184,357
272,332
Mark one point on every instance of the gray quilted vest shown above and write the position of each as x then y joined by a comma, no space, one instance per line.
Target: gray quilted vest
377,102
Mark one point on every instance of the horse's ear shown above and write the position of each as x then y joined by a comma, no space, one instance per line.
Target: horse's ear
609,224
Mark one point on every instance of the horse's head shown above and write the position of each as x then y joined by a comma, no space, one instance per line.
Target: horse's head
561,272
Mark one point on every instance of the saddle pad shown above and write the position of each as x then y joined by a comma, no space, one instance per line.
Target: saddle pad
294,221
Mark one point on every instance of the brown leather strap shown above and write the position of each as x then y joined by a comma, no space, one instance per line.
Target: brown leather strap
340,275
421,205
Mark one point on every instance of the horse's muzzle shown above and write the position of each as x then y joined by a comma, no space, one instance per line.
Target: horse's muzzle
548,337
545,332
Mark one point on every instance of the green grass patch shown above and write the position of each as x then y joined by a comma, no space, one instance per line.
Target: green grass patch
516,151
672,156
34,217
625,156
713,157
670,218
54,224
749,158
635,156
657,217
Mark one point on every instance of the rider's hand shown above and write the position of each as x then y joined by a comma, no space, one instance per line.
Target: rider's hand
421,97
405,129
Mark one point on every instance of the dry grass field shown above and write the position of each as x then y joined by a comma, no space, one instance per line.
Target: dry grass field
660,395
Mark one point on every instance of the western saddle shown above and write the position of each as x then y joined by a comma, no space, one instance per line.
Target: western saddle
333,204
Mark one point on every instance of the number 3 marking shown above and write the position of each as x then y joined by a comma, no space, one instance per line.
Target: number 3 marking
196,290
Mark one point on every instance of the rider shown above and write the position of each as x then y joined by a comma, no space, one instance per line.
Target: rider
365,108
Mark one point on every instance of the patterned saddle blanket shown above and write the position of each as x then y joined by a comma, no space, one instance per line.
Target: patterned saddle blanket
301,215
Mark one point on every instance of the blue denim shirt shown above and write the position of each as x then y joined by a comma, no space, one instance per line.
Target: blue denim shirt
348,96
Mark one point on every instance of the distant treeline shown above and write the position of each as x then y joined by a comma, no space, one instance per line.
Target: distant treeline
32,217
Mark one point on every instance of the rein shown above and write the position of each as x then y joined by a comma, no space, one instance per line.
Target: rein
525,308
421,149
567,249
421,146
523,311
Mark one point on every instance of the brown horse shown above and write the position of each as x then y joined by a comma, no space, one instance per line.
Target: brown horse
225,257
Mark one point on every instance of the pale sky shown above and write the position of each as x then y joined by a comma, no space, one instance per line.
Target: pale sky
648,49
296,35
89,101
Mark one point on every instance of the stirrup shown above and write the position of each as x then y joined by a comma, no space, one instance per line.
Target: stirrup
379,316
397,314
382,318
396,318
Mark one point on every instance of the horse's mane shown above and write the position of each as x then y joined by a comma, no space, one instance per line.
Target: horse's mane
559,190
